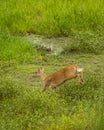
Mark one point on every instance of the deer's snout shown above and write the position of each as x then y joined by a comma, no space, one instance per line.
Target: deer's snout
33,75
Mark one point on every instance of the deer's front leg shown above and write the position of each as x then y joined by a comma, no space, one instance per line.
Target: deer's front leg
45,87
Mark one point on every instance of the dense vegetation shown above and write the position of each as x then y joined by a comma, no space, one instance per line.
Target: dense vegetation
72,107
52,17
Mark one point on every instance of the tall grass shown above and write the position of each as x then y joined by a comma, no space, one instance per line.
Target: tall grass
52,17
16,50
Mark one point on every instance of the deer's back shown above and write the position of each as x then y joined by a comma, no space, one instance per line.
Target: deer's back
62,75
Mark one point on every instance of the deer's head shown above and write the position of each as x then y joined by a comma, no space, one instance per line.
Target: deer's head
39,72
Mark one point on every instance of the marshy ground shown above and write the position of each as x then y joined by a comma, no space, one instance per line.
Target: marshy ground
52,34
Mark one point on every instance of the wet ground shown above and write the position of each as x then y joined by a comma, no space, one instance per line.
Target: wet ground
55,45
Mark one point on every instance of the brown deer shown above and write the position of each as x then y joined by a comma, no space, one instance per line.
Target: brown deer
55,79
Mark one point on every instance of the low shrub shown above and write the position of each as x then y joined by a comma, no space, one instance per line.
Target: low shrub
85,42
72,91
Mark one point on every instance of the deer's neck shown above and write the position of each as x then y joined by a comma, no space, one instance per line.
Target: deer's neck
43,76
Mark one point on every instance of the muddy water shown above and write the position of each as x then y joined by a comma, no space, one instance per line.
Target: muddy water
55,44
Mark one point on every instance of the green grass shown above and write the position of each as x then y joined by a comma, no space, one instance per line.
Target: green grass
16,50
72,106
85,42
51,18
24,106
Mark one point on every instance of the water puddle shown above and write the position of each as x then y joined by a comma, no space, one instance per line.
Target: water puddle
55,45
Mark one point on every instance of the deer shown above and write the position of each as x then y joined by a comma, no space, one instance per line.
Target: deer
57,78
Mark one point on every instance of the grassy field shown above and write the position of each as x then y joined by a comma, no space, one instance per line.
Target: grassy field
72,106
52,17
23,105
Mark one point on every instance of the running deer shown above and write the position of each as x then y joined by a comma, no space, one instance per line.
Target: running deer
55,79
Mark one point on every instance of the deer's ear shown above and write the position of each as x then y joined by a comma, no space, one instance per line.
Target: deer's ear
41,68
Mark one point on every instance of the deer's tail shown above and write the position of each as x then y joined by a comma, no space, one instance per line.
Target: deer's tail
79,70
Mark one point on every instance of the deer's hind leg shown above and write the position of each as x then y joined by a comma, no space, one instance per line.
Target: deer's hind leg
80,77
